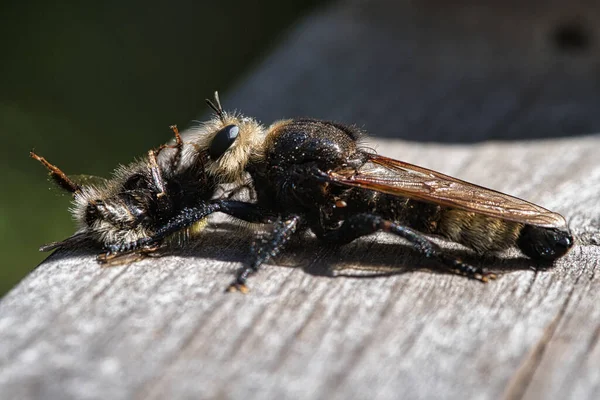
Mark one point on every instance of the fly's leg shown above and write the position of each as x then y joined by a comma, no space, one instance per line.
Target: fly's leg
264,248
57,175
189,216
365,224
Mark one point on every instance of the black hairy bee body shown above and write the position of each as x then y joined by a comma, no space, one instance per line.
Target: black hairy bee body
131,204
312,174
138,199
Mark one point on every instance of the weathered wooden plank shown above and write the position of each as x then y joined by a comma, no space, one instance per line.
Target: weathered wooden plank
164,328
167,329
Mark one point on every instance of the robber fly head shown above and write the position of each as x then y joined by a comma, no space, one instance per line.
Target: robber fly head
228,139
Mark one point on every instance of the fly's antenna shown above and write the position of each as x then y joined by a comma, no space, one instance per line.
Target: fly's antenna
216,106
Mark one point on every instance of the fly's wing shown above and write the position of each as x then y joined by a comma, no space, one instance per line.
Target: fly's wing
398,178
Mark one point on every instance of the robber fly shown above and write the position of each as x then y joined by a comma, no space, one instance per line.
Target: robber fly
139,199
312,174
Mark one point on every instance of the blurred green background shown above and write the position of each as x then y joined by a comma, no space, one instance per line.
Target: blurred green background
94,84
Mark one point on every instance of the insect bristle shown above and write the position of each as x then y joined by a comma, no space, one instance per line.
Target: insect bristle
216,106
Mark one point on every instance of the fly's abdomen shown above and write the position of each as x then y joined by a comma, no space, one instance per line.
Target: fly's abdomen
477,231
424,217
544,243
488,234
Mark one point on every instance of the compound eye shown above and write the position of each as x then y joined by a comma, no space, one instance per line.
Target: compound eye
223,141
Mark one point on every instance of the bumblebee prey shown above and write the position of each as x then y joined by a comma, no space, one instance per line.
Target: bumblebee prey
139,199
312,174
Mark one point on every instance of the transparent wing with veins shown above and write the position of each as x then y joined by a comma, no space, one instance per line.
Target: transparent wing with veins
402,179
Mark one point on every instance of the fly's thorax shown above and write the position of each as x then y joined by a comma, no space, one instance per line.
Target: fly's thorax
300,141
228,164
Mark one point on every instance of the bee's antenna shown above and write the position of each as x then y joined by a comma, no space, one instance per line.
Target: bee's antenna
216,106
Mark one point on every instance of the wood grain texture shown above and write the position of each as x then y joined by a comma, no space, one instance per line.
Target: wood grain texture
502,108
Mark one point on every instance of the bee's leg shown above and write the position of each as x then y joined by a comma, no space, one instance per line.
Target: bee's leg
57,175
188,216
178,146
124,258
264,248
159,183
365,224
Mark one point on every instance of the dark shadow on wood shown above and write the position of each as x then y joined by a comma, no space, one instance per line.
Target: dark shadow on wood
363,258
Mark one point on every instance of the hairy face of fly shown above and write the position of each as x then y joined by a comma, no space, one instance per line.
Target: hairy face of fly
229,141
